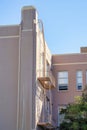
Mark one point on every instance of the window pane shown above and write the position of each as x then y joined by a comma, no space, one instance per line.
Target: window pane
79,74
79,86
60,116
63,87
63,74
63,80
79,80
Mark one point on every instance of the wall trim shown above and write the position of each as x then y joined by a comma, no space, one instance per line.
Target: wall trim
3,37
27,30
76,63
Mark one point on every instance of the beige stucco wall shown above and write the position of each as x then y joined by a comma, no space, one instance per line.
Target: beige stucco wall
22,97
17,73
8,76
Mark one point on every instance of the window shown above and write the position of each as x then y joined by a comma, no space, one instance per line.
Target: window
63,80
60,116
86,77
79,80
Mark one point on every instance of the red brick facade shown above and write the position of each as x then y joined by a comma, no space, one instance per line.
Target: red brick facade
70,63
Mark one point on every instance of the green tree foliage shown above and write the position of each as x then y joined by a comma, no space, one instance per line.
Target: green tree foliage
76,114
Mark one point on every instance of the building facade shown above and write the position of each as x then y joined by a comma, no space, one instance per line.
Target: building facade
34,84
71,77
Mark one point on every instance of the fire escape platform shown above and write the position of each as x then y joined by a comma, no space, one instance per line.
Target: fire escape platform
44,125
46,82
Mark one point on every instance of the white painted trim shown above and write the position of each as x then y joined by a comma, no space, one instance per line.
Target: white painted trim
76,63
12,25
3,37
27,30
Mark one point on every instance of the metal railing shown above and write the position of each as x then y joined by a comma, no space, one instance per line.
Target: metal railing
48,74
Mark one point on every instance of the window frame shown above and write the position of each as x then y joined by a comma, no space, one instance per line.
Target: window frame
79,83
61,117
61,78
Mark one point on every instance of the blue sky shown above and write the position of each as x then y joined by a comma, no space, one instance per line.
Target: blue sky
65,21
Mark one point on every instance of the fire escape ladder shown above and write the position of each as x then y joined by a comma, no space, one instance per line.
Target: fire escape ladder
47,81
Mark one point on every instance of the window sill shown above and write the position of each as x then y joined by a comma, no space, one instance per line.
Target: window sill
64,91
79,90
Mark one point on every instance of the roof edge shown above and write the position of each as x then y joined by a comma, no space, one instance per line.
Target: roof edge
28,7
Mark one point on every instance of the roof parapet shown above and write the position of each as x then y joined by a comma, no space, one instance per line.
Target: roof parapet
28,7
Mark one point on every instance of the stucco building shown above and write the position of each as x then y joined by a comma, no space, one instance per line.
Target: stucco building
34,84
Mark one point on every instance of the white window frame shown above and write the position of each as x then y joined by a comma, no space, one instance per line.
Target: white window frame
61,78
59,109
79,77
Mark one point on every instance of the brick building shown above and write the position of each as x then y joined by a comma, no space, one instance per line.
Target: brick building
70,72
34,84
